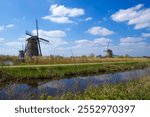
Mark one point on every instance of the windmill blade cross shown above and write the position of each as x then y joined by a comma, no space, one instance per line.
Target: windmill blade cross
30,34
44,40
108,46
26,46
37,28
38,41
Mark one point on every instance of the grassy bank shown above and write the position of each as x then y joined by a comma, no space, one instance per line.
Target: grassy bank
44,60
68,70
132,90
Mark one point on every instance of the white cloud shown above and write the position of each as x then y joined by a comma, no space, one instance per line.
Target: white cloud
97,46
133,49
145,35
134,46
131,40
61,11
62,14
92,43
1,28
53,34
88,19
8,51
2,40
102,41
83,43
14,44
55,37
100,31
61,20
23,38
10,26
137,16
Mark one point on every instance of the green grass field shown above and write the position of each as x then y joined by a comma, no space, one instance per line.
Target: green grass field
61,71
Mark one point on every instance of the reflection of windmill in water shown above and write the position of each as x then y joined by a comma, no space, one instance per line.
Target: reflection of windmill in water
33,47
109,52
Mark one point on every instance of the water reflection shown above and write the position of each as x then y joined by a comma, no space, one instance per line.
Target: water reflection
25,89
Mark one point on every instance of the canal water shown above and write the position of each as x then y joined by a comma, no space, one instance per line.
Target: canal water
24,89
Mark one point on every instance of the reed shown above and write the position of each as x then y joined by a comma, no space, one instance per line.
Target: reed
132,90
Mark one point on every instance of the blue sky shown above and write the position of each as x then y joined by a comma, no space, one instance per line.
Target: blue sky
81,26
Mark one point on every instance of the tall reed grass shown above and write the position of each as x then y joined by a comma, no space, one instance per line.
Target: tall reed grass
132,90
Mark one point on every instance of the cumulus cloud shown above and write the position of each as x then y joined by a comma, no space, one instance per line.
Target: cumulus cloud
23,38
92,43
10,26
55,37
1,28
11,47
62,14
100,31
14,44
134,46
133,49
61,20
138,16
132,40
8,51
2,40
88,19
60,10
54,33
145,35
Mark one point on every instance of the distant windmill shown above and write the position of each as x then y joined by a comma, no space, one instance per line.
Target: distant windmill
33,47
109,52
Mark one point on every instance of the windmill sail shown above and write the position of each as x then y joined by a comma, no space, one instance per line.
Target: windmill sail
33,47
109,52
44,40
29,34
38,42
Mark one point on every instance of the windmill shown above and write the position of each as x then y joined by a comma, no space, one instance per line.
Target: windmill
33,47
109,52
22,54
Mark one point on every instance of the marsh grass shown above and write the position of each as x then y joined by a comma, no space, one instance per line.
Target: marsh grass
58,72
132,90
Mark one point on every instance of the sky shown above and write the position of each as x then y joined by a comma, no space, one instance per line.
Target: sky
78,27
